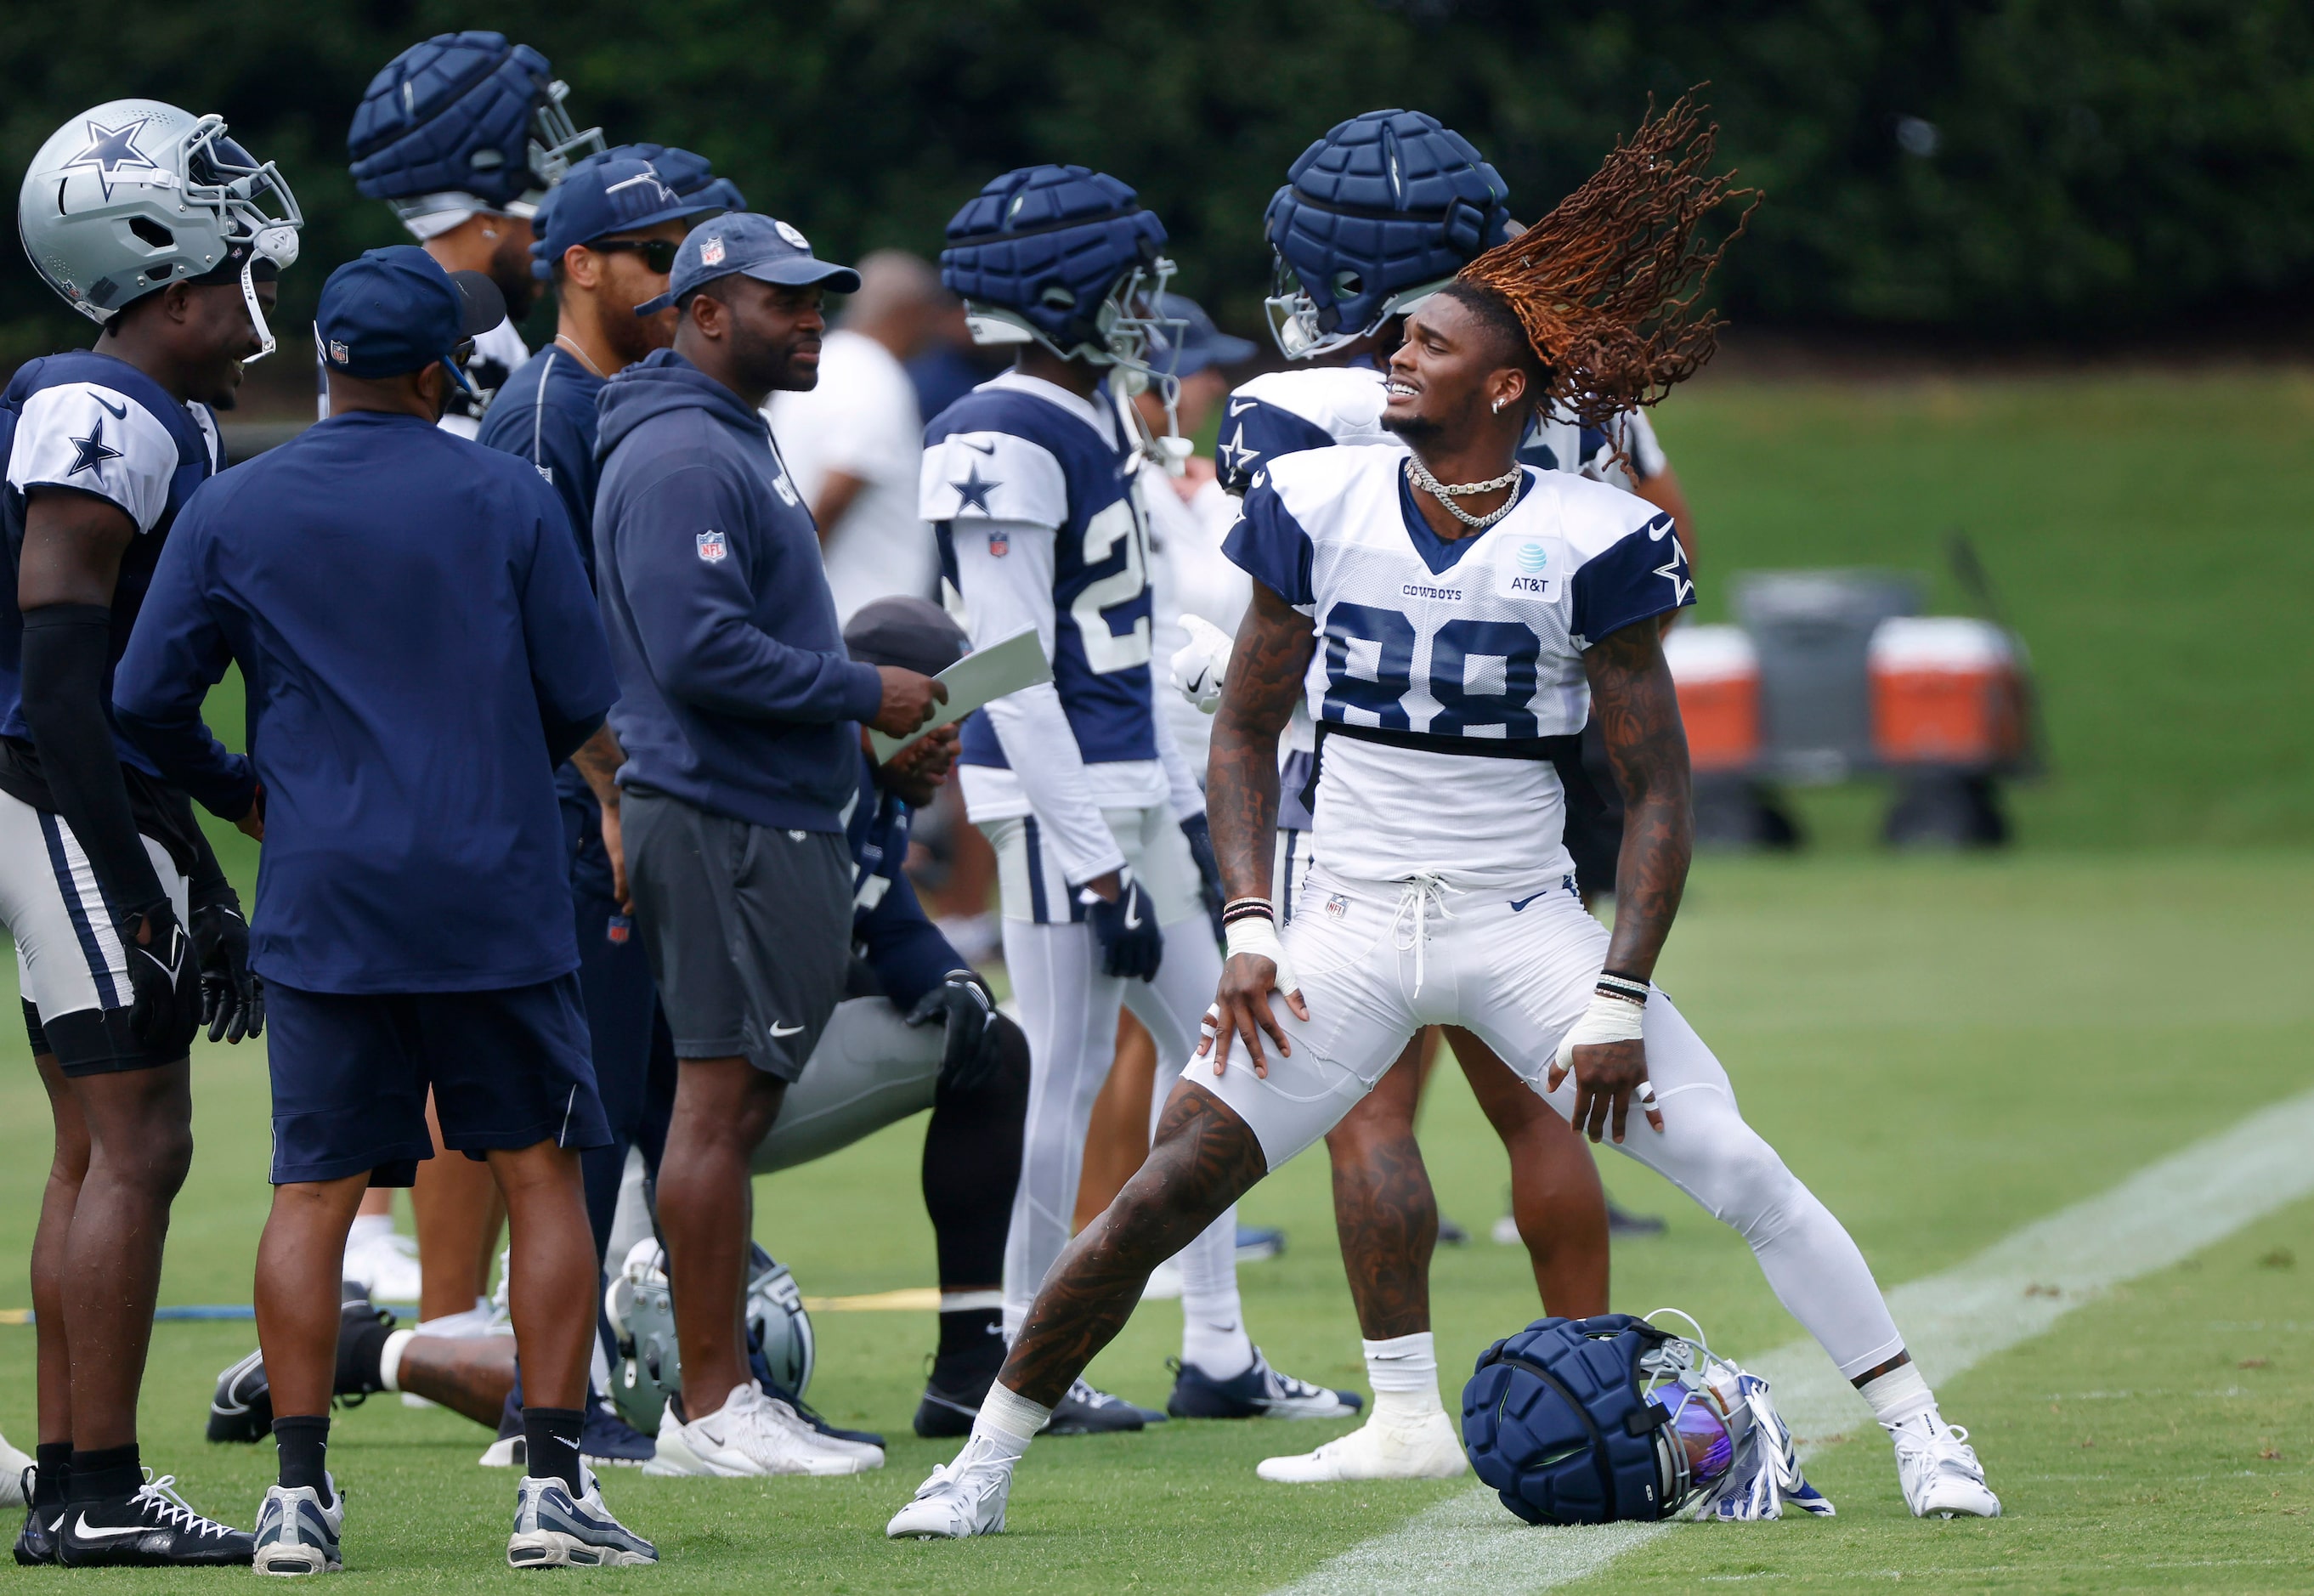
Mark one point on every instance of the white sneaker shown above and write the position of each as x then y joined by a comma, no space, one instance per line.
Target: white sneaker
553,1528
385,1264
1940,1472
1165,1284
962,1497
1380,1449
12,1464
295,1534
752,1434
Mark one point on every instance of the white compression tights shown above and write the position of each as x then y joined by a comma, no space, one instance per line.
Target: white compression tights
1069,1009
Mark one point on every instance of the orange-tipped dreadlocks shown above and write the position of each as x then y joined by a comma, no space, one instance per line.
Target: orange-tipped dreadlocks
1605,284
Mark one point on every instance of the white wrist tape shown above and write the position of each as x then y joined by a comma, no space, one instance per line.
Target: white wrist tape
1256,934
1608,1019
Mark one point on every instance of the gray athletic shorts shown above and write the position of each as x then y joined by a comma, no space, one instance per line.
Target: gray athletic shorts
749,929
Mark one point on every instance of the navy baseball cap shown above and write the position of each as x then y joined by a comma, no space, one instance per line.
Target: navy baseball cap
1201,343
396,310
600,197
755,246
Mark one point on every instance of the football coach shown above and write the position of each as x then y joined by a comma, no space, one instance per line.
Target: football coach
420,649
739,711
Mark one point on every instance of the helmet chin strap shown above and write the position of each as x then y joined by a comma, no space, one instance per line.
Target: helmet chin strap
277,248
265,345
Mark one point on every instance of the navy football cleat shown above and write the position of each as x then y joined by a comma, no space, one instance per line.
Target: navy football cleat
1259,1393
154,1528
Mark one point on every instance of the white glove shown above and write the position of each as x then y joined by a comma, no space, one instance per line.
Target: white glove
1201,664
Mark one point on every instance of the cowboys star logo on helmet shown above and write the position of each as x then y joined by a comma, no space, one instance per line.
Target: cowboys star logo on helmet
111,148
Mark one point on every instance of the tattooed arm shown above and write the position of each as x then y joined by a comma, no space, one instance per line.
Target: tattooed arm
1267,664
598,760
1638,713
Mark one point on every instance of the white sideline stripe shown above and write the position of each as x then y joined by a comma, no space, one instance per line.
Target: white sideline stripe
2010,1292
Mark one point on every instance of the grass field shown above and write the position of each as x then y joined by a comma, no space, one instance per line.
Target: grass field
1945,1049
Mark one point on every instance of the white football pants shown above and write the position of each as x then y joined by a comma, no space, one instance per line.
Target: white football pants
1069,1010
1379,960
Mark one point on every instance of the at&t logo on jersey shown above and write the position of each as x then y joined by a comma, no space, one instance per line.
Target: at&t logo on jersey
1533,575
712,547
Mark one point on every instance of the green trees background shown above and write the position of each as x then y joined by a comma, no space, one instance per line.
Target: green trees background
2057,168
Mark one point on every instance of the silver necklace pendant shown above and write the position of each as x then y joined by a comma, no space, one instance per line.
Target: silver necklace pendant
1446,493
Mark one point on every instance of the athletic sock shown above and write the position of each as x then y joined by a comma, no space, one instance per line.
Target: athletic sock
109,1472
1899,1395
970,1335
51,1472
303,1444
389,1359
1404,1373
1213,1320
552,1436
360,1359
1007,1423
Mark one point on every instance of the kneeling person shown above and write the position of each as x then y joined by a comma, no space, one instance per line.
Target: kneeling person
420,649
919,1029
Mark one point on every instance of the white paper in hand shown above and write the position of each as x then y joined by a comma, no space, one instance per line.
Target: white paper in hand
981,676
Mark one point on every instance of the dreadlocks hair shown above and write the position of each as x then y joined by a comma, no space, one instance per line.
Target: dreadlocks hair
1605,286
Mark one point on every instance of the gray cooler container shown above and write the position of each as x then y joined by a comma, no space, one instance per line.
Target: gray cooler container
1814,632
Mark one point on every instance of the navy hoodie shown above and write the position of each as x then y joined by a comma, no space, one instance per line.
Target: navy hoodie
736,694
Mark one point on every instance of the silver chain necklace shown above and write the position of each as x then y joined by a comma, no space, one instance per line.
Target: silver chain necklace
1446,493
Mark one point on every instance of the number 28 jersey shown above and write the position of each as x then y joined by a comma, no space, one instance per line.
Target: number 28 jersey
1442,669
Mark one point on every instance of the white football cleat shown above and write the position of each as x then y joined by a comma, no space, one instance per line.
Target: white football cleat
1379,1449
386,1264
13,1491
963,1497
755,1434
1940,1472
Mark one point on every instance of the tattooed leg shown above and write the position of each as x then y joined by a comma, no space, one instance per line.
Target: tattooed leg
1384,1210
1204,1159
467,1374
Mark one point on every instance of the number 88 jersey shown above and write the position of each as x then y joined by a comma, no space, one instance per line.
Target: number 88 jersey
1017,453
1445,671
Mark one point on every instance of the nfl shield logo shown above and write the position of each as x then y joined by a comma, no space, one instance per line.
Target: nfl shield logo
338,352
711,547
1337,906
999,545
710,253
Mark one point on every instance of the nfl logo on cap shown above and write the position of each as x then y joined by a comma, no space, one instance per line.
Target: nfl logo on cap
711,547
710,253
338,351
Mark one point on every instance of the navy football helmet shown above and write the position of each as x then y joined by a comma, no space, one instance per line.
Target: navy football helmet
1380,212
1066,257
1588,1421
468,114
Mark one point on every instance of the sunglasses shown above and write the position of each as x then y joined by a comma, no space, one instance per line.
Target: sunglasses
657,254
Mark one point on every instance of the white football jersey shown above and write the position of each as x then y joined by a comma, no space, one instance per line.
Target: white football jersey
1445,671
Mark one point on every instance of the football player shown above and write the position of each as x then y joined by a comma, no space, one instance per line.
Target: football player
464,134
169,236
1031,482
1450,613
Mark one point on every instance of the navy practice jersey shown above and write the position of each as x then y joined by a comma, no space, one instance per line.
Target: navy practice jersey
889,927
1441,648
545,414
97,425
419,649
1286,412
1003,457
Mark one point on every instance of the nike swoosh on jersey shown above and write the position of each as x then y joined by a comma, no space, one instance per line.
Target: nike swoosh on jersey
1518,904
119,413
1238,407
88,1532
779,1030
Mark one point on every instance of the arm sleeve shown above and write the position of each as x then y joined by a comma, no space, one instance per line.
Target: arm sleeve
562,629
175,655
692,616
905,949
1004,592
1642,574
63,663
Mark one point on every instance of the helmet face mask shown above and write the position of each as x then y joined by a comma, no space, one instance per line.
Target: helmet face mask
135,195
640,1307
1304,332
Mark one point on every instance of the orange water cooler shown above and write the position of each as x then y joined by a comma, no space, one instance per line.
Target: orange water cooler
1947,691
1717,671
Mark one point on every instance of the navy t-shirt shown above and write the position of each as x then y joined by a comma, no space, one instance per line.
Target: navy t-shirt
889,927
420,648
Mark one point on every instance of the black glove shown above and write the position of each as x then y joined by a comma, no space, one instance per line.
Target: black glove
166,1009
1131,945
964,1004
233,1000
1209,870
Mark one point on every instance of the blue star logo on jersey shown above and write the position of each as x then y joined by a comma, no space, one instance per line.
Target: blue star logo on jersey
1234,457
92,452
1674,571
972,493
111,148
